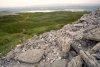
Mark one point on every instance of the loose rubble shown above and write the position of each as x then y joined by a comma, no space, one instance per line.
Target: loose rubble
75,45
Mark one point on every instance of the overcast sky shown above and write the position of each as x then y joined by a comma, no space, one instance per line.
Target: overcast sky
23,3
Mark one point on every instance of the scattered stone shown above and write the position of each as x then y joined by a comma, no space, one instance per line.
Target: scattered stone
65,44
76,46
89,59
75,62
93,34
44,64
97,56
59,63
30,56
96,48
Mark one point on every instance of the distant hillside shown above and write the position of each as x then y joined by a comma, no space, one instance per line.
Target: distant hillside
3,13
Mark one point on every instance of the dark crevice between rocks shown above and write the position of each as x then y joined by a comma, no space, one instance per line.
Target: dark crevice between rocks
97,56
72,49
76,46
72,53
87,43
84,64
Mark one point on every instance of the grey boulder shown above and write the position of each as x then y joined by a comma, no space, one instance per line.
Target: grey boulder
88,59
93,34
75,62
59,63
30,56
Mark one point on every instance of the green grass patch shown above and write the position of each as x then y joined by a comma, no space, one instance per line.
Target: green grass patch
15,29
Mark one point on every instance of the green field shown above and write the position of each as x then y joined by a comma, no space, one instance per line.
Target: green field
15,29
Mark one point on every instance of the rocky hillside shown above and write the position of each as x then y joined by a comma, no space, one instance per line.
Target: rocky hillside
75,45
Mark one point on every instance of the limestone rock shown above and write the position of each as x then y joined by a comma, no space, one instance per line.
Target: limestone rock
84,17
30,56
97,56
44,64
59,63
93,34
76,46
96,48
89,59
98,13
75,62
65,44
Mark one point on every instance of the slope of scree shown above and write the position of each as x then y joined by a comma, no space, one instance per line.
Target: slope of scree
75,45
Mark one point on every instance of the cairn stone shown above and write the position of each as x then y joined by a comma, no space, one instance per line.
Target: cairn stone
93,34
96,48
89,59
30,56
59,63
75,62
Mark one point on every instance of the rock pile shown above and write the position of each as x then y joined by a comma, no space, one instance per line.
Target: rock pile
75,45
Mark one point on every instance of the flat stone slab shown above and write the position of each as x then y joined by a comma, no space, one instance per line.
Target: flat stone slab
30,56
75,62
96,47
44,64
89,59
59,63
93,34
